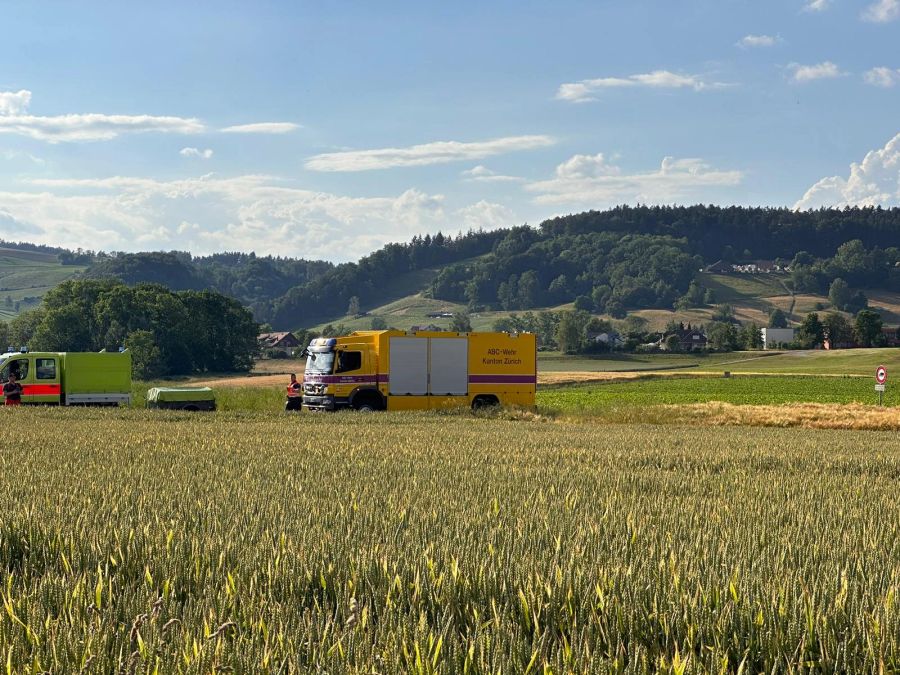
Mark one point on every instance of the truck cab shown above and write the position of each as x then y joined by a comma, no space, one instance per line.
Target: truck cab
341,373
39,374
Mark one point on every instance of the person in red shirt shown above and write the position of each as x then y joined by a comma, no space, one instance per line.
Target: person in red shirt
12,390
294,394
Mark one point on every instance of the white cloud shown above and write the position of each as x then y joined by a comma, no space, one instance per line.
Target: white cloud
262,128
438,152
749,41
14,102
82,127
487,215
586,166
584,90
882,11
196,152
816,5
820,71
875,180
482,174
209,213
882,77
93,127
591,180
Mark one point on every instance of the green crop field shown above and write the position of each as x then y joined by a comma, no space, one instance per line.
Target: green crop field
239,542
739,390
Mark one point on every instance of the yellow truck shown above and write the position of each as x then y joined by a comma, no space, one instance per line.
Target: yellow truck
396,370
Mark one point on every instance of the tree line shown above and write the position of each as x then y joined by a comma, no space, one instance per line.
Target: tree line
733,232
168,332
576,331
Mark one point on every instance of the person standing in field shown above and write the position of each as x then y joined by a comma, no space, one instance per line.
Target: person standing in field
12,390
294,394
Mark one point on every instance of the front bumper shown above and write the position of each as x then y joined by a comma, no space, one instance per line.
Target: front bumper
324,402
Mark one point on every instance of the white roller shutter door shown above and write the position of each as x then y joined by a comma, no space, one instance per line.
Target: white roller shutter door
449,366
409,366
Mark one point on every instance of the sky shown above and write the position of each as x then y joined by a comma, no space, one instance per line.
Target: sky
327,129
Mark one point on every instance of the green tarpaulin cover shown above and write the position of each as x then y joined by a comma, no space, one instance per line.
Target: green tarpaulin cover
175,395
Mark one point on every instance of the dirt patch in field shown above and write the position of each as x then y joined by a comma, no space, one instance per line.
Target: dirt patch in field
805,415
276,381
577,377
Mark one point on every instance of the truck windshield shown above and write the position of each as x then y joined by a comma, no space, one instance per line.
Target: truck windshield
317,364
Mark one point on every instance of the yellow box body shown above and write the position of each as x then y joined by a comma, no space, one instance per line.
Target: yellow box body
431,370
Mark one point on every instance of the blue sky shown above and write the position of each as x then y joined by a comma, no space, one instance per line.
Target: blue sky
325,130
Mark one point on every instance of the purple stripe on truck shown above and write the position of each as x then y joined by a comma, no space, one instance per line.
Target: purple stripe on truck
345,379
502,379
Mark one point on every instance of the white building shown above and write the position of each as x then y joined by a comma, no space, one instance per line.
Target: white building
772,337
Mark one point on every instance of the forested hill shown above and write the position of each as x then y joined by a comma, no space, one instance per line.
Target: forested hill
612,261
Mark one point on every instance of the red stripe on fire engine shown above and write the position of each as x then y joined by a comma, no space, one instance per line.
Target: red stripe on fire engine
40,390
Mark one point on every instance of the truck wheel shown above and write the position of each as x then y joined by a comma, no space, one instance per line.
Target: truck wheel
484,402
367,402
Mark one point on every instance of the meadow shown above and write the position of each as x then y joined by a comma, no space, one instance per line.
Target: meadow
738,390
134,541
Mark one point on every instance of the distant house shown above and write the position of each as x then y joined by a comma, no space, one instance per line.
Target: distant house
689,339
610,339
772,337
692,340
440,315
891,336
751,267
285,342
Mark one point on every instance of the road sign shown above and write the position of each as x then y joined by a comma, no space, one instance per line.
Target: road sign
879,387
881,374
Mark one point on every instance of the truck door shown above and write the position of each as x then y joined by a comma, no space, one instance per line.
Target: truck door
46,387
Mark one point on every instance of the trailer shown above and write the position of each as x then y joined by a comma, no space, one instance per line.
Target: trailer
182,398
70,378
396,370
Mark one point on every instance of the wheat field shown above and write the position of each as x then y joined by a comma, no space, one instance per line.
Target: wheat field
245,542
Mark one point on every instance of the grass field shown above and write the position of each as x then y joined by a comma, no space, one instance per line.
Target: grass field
238,542
738,390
